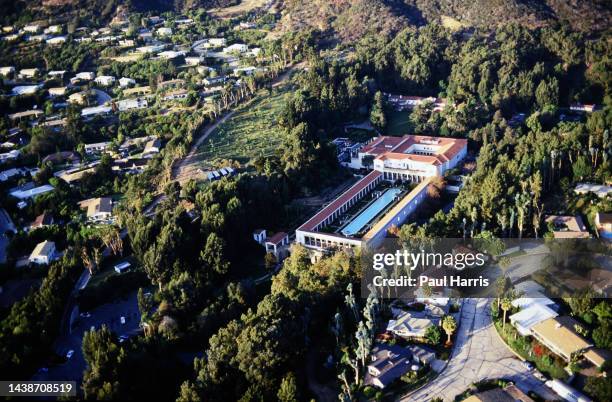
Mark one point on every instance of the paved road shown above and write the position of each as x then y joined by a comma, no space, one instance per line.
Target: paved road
479,354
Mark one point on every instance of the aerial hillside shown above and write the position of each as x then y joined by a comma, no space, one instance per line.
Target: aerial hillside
351,19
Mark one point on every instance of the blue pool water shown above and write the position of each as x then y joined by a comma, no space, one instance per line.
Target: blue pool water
370,212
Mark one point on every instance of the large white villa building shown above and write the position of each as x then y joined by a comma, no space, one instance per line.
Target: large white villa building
364,213
411,157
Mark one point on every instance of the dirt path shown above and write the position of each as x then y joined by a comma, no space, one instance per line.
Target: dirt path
188,168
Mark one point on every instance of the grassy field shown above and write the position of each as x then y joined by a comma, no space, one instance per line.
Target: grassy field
398,123
252,131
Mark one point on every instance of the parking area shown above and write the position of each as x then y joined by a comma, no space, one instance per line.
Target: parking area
109,314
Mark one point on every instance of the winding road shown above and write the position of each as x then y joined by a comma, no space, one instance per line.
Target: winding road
479,354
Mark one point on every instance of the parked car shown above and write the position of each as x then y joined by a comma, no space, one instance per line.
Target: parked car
85,314
122,319
69,354
123,338
528,365
539,376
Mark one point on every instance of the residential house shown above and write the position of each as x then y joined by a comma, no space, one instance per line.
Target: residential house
28,114
129,104
56,73
585,108
388,363
177,94
601,190
412,324
105,80
164,31
24,193
28,73
236,48
7,175
56,40
151,148
85,76
97,147
57,91
24,90
78,98
42,220
559,335
7,71
217,42
9,156
530,316
567,227
130,166
32,28
98,209
193,61
44,253
53,29
126,82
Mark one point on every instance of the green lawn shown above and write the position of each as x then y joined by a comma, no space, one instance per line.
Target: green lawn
398,123
251,132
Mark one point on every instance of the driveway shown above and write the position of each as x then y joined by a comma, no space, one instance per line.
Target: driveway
479,354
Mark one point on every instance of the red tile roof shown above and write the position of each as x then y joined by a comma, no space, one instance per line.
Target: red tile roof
396,148
338,202
277,238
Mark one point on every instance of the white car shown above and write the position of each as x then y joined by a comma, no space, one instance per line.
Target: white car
69,354
85,315
539,376
123,338
122,319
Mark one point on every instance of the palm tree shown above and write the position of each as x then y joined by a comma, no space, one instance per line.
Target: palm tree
449,325
506,304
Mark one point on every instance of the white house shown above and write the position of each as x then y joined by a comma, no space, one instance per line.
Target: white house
28,73
32,28
105,80
44,253
236,48
410,324
85,76
98,210
130,104
278,245
56,40
24,89
57,91
53,29
164,31
217,41
7,71
193,61
97,147
528,317
126,82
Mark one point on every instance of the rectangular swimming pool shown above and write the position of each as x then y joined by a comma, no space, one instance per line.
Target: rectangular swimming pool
370,212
